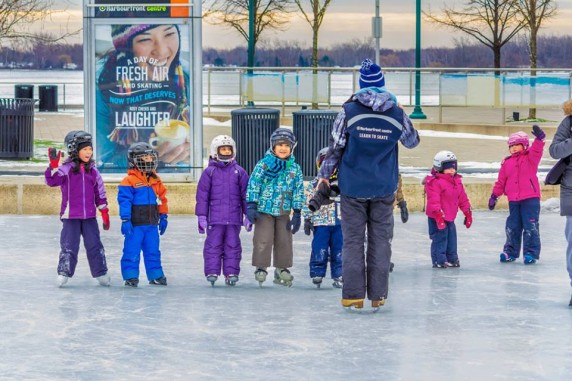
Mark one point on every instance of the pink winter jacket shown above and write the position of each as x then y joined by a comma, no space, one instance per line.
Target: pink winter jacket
518,174
445,193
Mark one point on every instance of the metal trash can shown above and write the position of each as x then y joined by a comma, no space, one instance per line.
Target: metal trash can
251,129
16,128
24,91
48,98
313,129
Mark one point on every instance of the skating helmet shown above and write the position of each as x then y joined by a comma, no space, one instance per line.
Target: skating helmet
221,141
137,152
320,157
518,138
444,160
76,140
283,135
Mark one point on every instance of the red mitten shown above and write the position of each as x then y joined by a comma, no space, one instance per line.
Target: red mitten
105,218
54,156
468,219
440,220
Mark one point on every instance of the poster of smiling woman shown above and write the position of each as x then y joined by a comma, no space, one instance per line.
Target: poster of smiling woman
142,93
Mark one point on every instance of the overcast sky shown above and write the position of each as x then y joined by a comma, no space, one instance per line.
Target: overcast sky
345,20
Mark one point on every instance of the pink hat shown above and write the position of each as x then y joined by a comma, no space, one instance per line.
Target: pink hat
518,138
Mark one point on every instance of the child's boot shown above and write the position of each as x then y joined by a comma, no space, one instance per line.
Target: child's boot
104,280
529,259
352,303
161,281
231,280
338,282
504,258
212,278
283,277
62,280
317,280
260,275
133,282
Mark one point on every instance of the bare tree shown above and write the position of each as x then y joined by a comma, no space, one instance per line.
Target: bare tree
16,17
492,22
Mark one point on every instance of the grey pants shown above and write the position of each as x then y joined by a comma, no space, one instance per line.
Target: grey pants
568,233
269,232
367,273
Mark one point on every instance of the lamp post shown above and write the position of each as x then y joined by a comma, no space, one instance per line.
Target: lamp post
251,15
417,112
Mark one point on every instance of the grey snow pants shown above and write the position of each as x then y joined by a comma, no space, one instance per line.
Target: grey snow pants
366,274
270,233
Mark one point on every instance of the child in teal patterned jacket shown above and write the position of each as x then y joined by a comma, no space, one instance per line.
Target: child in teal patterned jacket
275,187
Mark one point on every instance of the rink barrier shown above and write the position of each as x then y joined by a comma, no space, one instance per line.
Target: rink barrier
29,195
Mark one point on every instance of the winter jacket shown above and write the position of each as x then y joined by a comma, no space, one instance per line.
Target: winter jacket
82,192
221,193
142,199
327,215
518,174
276,185
560,148
445,193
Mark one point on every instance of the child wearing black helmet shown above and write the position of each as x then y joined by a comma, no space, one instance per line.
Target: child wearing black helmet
143,210
275,188
83,192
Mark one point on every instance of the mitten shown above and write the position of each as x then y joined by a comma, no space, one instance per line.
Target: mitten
203,224
468,219
294,224
538,132
163,224
440,220
403,209
308,226
105,218
54,156
247,224
252,211
126,228
492,201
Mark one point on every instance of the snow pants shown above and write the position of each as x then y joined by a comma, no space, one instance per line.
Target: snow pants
69,247
522,227
443,242
568,232
326,245
222,250
144,238
272,237
369,273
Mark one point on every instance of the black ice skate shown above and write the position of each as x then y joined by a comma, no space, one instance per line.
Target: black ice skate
161,281
317,280
212,278
231,280
391,266
133,282
260,275
455,264
338,282
283,277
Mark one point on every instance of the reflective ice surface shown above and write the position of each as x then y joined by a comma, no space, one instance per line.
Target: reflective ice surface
484,321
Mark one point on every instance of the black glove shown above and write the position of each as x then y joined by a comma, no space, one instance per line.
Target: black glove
404,212
308,226
252,212
294,224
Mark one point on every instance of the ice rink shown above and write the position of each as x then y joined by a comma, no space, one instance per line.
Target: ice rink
484,321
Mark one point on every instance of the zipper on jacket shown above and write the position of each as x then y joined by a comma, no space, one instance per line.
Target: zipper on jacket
83,198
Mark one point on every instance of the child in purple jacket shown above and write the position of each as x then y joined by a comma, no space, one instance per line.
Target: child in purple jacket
518,179
82,193
221,209
445,196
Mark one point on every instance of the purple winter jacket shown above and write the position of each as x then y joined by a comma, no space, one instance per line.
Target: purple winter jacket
82,192
518,177
221,193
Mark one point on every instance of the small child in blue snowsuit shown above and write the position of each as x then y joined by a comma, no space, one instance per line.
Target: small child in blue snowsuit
325,223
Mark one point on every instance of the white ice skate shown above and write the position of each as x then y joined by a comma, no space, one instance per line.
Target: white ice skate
317,280
212,278
283,277
62,279
338,282
231,280
260,275
104,280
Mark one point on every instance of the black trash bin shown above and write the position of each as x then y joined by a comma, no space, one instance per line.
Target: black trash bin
16,128
48,98
24,91
313,129
251,129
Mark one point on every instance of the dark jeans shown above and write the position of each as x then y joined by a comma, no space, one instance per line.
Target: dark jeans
522,227
69,247
443,242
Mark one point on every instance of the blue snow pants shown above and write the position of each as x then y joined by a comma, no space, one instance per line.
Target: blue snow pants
222,250
326,245
144,238
69,247
522,227
443,242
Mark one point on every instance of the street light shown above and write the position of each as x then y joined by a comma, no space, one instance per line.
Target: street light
417,112
251,15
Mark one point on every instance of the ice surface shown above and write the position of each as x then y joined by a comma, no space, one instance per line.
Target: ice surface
484,321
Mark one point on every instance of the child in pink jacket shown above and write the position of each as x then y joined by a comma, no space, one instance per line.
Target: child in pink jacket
445,196
519,181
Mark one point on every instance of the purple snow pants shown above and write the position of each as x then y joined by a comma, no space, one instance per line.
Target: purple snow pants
222,249
69,244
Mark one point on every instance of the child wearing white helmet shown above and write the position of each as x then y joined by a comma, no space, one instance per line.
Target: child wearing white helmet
445,196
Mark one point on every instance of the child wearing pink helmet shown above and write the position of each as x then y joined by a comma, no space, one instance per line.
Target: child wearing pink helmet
518,180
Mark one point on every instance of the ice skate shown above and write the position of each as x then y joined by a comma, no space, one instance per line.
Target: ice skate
161,281
376,304
529,260
133,282
317,281
504,258
455,264
352,304
260,275
443,265
231,280
104,280
338,282
62,280
212,278
283,277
